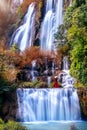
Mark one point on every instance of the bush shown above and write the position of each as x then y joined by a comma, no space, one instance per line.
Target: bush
1,121
11,125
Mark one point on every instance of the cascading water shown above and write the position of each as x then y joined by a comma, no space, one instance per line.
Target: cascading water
65,63
32,71
70,2
53,18
45,104
67,80
48,104
23,36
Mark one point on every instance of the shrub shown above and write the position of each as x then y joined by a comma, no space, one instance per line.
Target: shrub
11,125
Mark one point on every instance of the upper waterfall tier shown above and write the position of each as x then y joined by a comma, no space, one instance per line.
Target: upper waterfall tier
48,104
53,18
23,36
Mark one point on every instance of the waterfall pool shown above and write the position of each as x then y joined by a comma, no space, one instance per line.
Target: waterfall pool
56,125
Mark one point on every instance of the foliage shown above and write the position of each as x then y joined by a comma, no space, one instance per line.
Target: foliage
68,17
5,87
25,85
61,35
61,40
11,125
32,54
41,85
77,37
19,12
8,71
8,60
63,49
26,3
1,121
80,2
33,84
74,31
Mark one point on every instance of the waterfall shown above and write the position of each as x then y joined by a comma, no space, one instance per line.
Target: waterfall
65,63
49,80
70,2
67,79
49,4
32,71
23,36
48,104
53,18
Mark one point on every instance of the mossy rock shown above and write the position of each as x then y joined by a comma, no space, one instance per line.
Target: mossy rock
35,82
26,85
42,85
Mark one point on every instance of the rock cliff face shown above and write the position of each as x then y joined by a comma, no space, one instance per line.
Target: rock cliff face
82,93
10,106
15,4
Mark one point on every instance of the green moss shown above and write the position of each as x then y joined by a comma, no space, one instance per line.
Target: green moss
35,82
50,85
25,85
42,85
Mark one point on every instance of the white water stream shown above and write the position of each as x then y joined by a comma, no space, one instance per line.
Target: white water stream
23,36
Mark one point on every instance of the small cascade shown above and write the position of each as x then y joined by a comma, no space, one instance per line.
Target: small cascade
49,5
65,63
49,80
47,31
53,67
53,18
33,70
23,36
59,13
67,80
70,2
48,104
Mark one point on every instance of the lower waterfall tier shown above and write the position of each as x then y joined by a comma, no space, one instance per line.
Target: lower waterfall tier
48,104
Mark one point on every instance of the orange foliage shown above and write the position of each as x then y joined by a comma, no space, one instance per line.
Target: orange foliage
58,58
12,61
10,74
2,45
26,4
34,53
31,54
